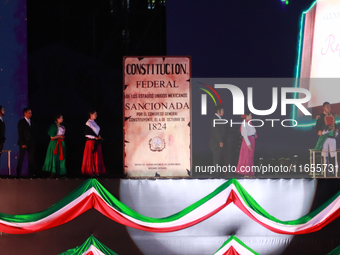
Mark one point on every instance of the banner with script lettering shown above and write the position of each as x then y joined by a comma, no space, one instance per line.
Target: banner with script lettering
319,56
156,116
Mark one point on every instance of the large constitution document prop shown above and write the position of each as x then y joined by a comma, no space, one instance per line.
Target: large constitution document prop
156,116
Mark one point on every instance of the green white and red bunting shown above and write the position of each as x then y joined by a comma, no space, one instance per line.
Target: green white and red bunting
91,247
91,194
234,246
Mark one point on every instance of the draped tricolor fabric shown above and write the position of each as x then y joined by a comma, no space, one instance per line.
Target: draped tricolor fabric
234,246
91,194
91,247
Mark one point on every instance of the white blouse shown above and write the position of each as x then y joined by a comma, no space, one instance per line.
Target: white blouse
28,121
94,126
247,130
61,130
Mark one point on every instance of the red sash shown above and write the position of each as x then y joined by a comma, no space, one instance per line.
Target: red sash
60,147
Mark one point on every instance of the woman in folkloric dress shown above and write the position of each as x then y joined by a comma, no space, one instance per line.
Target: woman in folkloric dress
93,163
246,158
55,156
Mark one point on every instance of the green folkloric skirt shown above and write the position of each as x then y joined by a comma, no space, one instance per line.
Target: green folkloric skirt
53,163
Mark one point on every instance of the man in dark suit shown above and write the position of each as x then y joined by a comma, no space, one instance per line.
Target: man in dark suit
2,129
25,142
217,137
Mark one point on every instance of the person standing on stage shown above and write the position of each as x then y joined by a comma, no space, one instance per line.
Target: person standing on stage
55,156
93,163
26,142
231,144
326,128
217,137
2,129
246,158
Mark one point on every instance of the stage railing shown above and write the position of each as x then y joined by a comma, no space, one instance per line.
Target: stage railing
324,166
8,160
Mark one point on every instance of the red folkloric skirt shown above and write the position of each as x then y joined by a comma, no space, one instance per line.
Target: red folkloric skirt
93,163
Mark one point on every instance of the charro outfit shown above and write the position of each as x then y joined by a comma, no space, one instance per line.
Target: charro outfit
2,134
326,124
55,156
93,163
217,136
246,158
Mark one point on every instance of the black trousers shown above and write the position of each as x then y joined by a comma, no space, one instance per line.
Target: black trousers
30,154
1,148
219,156
231,149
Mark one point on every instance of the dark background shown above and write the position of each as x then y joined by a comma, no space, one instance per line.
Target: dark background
75,51
236,38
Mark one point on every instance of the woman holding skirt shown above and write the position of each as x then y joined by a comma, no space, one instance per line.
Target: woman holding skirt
93,163
55,156
246,158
